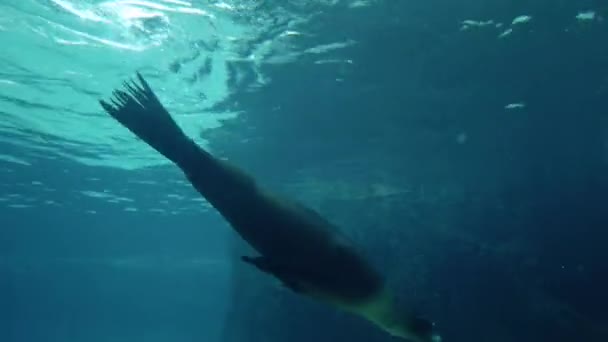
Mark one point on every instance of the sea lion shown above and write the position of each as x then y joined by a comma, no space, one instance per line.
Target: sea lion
295,244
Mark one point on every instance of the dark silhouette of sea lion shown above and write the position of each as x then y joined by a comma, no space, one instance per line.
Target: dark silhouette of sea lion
295,244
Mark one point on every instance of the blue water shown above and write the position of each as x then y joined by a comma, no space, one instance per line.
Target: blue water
463,144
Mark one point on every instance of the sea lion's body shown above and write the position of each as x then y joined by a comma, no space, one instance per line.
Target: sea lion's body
295,244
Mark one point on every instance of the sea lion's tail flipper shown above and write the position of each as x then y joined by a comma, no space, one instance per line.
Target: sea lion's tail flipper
139,110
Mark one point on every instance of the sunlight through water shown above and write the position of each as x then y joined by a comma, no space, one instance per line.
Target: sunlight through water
61,56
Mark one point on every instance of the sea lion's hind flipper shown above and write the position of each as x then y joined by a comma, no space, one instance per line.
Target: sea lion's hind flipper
265,265
139,110
260,263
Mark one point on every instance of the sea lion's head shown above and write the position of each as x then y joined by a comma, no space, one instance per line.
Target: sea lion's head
421,330
394,317
412,328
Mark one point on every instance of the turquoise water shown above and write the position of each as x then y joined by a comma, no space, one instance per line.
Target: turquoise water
463,145
60,57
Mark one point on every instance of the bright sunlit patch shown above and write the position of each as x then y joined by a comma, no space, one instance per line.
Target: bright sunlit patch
177,2
462,138
359,4
196,11
19,206
224,6
95,194
82,13
290,33
70,42
114,44
466,24
130,9
89,38
334,61
11,159
126,11
519,105
106,195
522,19
586,16
505,33
328,47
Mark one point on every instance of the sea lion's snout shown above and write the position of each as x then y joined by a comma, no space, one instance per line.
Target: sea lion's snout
424,330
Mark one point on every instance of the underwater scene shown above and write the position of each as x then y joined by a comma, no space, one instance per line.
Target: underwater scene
303,170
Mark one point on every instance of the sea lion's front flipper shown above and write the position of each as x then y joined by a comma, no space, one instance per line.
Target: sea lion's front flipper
279,271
